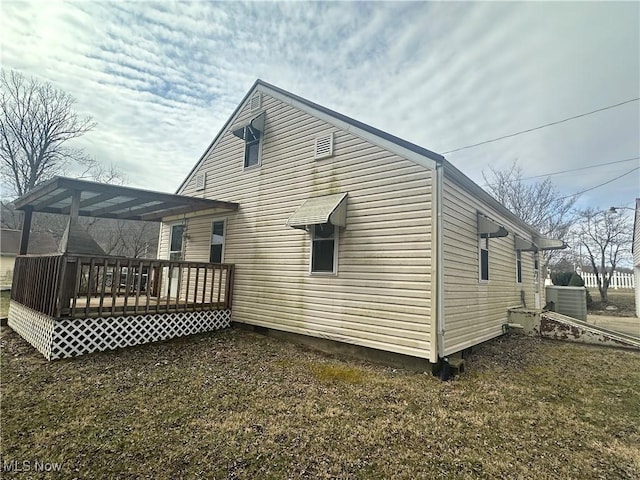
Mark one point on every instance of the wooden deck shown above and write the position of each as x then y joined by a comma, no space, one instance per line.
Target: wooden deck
104,306
72,286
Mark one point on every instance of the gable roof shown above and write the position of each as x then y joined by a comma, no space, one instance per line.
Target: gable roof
379,137
40,243
397,145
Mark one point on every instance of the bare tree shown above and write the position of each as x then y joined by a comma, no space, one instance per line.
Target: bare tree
10,217
606,237
127,238
36,123
538,203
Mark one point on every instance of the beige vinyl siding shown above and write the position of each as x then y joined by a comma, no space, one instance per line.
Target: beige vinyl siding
475,311
381,296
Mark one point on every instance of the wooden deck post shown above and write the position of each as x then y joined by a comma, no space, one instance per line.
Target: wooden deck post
67,284
26,230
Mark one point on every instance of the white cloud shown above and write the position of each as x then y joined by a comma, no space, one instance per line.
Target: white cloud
161,78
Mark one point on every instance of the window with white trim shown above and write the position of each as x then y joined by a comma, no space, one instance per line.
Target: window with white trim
483,258
252,146
176,242
518,266
324,248
216,249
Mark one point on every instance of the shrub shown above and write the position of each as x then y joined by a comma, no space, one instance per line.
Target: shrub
576,281
561,279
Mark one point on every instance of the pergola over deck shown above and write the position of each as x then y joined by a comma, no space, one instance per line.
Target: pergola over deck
81,300
69,196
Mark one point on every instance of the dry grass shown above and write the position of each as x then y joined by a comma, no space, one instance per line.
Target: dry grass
238,405
623,299
5,297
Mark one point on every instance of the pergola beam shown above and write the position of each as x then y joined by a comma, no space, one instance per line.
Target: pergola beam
64,195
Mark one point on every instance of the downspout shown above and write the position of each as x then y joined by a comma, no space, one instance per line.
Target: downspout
438,267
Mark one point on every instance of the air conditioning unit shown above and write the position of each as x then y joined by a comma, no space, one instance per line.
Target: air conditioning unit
569,301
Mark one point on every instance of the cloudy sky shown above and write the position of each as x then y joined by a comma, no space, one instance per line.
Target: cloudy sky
161,78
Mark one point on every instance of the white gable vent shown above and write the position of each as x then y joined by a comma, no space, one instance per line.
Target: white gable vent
256,102
200,181
324,146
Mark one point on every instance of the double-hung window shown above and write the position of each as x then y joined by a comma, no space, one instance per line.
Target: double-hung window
216,249
322,219
483,253
518,266
175,242
324,246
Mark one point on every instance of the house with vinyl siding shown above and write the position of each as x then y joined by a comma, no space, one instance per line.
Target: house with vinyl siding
346,233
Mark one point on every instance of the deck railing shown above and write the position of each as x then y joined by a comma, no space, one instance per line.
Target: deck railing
73,286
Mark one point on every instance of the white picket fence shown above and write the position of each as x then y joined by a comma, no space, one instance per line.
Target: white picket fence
619,280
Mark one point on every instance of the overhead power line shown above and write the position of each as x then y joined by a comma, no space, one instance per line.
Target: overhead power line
543,126
601,184
583,168
568,171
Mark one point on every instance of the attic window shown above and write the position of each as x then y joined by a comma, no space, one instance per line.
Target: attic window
256,102
200,181
324,146
252,147
252,134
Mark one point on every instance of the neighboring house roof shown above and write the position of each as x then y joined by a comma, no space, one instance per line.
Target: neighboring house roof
39,243
77,241
401,147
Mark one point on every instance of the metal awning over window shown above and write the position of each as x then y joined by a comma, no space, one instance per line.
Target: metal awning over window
488,228
252,130
318,210
539,243
546,243
524,245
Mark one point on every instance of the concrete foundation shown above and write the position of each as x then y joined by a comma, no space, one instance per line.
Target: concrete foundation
333,347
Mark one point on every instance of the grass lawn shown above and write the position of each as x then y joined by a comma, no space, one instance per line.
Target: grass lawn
5,296
623,299
235,404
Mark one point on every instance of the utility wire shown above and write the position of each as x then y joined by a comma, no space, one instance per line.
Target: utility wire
568,171
600,185
543,126
582,168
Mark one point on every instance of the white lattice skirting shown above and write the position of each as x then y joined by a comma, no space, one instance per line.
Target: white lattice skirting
72,337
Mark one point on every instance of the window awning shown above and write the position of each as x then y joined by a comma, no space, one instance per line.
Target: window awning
317,210
255,125
524,245
546,243
488,228
539,243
